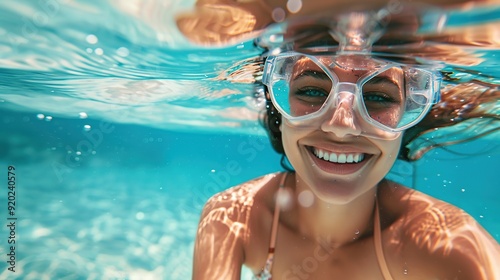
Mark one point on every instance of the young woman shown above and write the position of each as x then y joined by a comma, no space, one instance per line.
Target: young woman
339,115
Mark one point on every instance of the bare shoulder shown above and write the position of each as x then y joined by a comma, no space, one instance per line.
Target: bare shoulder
222,231
446,236
229,210
238,197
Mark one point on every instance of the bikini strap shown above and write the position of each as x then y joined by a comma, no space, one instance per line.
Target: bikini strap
274,230
377,237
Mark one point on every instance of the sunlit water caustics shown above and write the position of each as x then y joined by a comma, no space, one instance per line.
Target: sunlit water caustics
120,129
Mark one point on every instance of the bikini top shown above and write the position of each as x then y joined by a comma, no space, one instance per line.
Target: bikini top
265,274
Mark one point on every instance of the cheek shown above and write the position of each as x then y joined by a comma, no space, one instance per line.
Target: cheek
391,149
290,137
286,137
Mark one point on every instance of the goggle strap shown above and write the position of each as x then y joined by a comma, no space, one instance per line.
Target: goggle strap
268,67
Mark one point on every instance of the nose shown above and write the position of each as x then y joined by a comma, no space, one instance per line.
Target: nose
343,120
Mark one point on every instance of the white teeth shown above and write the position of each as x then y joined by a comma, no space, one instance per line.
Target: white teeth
333,157
350,158
339,158
342,158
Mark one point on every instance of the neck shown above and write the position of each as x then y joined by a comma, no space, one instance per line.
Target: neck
335,225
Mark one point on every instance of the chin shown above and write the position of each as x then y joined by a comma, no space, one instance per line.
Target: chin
340,190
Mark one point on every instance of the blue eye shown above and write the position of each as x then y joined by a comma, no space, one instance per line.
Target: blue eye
311,92
311,95
379,101
375,98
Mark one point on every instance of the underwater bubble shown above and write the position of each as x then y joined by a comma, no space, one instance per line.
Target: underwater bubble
87,127
79,153
284,198
99,51
278,15
48,118
92,39
122,51
139,216
405,268
294,5
40,116
276,51
82,115
306,198
89,50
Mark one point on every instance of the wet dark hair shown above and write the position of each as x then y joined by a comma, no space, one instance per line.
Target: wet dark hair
458,103
270,119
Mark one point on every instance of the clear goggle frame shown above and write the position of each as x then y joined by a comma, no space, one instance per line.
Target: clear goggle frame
376,97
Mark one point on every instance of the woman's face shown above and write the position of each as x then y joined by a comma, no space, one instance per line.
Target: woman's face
332,156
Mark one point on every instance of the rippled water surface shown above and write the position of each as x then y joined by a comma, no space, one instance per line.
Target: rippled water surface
123,62
120,129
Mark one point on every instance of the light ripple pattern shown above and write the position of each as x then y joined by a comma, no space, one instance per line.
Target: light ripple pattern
124,232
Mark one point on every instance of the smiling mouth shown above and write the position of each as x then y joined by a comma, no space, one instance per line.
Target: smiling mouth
351,158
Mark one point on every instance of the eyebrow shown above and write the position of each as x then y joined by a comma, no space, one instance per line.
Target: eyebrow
382,80
312,73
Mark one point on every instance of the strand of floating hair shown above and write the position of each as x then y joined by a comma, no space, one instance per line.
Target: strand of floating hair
420,153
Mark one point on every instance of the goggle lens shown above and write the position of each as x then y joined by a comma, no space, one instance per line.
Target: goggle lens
389,95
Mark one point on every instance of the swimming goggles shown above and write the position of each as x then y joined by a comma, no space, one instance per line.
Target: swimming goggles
376,97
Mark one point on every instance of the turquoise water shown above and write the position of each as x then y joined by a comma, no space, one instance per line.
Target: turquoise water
120,129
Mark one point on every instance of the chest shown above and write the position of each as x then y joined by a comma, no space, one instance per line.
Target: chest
298,259
304,260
